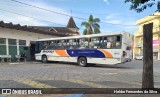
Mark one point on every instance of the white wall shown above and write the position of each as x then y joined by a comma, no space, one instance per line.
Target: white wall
23,35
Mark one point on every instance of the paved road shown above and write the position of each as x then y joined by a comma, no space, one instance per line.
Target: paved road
62,75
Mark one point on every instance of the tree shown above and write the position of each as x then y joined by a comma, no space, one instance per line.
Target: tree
91,26
147,77
140,5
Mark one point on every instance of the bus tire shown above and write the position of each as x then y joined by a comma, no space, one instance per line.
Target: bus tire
44,59
82,61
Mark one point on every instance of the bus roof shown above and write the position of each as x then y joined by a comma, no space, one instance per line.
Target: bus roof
83,36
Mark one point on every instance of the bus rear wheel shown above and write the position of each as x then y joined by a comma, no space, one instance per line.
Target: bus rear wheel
82,61
44,59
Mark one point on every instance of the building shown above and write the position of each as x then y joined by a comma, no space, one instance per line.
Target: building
138,35
15,38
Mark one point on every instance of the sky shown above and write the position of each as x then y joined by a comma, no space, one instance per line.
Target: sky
108,11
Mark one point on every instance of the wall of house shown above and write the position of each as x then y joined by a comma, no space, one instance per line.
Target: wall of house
23,35
16,49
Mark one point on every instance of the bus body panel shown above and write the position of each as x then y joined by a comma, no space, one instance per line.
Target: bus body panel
97,56
93,55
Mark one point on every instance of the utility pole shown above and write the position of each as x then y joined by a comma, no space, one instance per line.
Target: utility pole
147,76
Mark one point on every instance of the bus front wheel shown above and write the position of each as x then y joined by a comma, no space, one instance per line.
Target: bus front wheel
82,61
44,59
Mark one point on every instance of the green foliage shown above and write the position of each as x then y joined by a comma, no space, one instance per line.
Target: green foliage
91,26
140,5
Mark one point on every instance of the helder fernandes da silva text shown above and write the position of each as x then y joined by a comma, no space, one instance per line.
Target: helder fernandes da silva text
135,91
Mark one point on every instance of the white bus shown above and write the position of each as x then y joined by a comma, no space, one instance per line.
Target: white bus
85,50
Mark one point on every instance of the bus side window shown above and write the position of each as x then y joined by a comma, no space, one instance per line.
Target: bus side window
39,46
104,42
109,42
74,43
86,43
64,43
100,44
56,45
51,45
59,44
118,38
114,39
118,42
67,44
83,43
91,42
62,46
71,44
95,42
77,43
45,45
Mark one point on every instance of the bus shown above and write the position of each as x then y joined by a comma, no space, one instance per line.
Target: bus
85,50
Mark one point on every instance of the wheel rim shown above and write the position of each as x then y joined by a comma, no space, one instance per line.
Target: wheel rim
44,59
82,62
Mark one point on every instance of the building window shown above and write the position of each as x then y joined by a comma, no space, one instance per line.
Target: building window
22,42
2,41
12,41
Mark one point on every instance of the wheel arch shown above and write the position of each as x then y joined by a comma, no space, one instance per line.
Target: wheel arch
44,55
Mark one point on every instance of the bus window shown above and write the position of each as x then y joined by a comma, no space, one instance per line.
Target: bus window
118,38
109,42
118,42
59,44
72,43
104,42
83,43
94,42
45,44
77,43
67,44
100,45
38,46
112,42
91,43
64,43
52,45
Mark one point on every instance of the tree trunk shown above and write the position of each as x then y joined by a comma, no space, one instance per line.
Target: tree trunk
147,79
